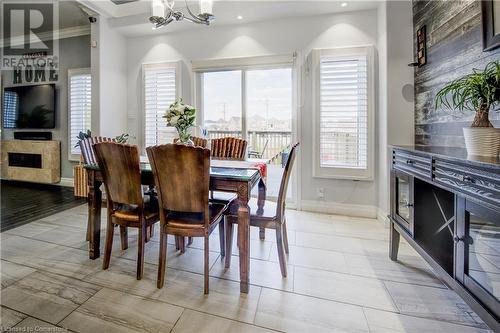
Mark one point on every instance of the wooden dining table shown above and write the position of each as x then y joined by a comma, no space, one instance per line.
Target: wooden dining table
234,179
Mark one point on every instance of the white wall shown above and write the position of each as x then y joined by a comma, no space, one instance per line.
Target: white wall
396,109
264,38
109,63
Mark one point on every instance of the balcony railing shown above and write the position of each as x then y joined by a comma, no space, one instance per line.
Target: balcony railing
277,141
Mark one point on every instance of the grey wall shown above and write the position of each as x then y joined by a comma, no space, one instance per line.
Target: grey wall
74,53
454,46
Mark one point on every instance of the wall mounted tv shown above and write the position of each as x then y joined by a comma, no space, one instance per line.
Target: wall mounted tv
29,106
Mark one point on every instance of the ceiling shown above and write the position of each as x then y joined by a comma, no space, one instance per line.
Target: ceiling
131,18
71,15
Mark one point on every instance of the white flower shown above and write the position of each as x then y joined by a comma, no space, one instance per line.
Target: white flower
173,121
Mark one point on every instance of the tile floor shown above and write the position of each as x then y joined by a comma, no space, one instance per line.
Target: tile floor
340,280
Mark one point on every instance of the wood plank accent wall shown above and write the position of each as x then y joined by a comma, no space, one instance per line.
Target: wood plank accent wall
454,48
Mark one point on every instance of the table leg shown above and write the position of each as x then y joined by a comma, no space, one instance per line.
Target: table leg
94,203
260,206
244,236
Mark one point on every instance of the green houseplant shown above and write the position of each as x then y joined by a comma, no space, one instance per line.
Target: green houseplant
479,92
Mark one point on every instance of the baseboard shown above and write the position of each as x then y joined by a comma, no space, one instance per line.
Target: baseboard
382,217
340,208
67,182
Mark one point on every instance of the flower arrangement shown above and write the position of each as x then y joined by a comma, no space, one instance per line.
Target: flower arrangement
182,117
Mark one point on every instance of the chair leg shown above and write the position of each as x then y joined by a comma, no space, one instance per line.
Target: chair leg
162,264
285,237
110,229
177,242
222,239
190,241
124,237
262,233
229,240
182,244
151,231
140,252
87,237
281,250
206,266
147,234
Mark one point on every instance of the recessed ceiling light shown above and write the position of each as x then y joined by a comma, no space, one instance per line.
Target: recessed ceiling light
239,17
343,4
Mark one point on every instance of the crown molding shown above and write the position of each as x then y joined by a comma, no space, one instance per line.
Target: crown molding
58,34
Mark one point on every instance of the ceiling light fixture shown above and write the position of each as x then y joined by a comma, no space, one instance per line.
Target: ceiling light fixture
239,17
163,13
343,4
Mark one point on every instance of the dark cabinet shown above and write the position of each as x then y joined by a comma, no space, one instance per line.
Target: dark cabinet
402,199
477,244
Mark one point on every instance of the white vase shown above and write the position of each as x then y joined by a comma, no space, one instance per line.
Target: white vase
482,141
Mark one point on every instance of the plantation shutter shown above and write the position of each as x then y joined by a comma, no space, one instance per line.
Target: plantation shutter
343,115
80,102
159,92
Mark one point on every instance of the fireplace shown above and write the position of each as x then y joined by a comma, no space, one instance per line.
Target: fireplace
25,160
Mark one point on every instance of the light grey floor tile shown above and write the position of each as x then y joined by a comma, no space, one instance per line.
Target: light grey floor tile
31,229
434,303
9,318
407,269
49,257
343,288
193,321
182,288
382,322
115,311
289,312
10,272
47,296
262,273
314,258
31,324
64,235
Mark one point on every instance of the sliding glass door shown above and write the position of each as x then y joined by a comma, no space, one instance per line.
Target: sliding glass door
255,104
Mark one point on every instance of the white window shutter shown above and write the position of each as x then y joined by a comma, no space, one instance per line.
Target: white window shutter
160,90
343,112
80,102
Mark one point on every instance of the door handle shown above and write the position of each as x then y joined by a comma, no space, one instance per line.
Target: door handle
466,239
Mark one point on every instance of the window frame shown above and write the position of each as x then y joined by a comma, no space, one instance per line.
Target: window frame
178,92
342,172
76,71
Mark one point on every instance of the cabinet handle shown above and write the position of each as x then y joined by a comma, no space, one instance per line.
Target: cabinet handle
409,204
467,179
465,239
409,162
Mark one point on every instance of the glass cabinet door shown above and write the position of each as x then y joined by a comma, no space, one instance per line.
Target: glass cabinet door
402,200
477,242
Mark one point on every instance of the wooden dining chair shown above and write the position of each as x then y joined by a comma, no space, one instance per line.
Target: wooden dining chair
182,178
271,216
197,141
229,147
87,148
125,200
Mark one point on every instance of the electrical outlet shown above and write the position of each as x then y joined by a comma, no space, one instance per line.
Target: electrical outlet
320,192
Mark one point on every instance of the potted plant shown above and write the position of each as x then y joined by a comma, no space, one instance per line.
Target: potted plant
182,117
479,92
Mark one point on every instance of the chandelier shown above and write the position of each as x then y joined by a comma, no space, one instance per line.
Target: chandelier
163,13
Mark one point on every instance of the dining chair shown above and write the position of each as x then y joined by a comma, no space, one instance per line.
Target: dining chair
126,206
197,141
229,147
88,154
270,216
182,178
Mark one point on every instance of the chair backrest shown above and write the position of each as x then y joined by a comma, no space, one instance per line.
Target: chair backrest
182,177
121,171
285,178
197,141
229,147
87,149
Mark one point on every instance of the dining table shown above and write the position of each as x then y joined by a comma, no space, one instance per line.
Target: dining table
225,176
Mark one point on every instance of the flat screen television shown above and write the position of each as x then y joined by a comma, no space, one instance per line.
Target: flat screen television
29,107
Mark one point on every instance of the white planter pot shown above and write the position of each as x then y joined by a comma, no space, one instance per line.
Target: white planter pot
482,141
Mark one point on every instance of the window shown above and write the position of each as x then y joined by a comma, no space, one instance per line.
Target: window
343,90
80,110
161,87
